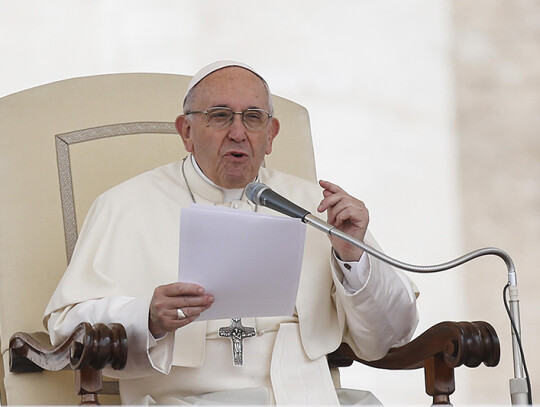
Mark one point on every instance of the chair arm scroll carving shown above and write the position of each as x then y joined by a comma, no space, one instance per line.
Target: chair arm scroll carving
94,346
439,350
87,351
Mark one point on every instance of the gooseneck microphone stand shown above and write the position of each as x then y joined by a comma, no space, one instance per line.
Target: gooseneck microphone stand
518,384
261,194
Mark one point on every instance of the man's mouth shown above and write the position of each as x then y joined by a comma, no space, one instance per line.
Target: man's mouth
237,154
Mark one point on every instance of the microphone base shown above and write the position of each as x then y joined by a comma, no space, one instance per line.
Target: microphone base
519,391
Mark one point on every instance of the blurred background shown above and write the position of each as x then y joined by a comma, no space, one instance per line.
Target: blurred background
426,110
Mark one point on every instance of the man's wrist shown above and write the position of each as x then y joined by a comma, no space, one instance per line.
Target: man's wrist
349,257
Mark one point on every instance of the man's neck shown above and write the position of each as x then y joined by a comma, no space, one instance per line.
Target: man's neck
228,194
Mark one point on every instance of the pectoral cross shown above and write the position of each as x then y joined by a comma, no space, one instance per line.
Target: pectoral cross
236,332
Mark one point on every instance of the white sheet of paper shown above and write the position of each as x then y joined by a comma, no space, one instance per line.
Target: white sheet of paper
250,262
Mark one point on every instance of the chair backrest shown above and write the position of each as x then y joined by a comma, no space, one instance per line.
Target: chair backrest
63,144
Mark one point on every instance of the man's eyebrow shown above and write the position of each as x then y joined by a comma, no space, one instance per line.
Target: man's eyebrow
228,107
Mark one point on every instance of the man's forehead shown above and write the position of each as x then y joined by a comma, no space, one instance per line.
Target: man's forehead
233,87
208,70
230,74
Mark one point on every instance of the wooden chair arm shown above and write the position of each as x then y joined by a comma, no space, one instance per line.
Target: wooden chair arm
87,351
439,350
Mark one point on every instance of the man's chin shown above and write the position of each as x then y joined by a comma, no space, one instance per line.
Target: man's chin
236,184
236,178
233,181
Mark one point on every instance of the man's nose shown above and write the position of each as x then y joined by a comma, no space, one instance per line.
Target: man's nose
237,130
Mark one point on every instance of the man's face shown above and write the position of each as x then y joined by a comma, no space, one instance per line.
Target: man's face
229,157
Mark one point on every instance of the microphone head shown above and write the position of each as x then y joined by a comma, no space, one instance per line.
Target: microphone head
253,191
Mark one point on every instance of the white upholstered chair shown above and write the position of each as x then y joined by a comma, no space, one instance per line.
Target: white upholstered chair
63,144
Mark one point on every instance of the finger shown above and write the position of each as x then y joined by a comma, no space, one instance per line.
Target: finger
161,305
326,193
351,215
168,321
190,311
338,202
330,186
330,199
181,288
192,301
173,323
338,213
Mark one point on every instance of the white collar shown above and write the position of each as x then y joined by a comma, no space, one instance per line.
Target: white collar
229,195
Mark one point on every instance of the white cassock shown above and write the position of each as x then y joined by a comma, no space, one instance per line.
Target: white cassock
128,246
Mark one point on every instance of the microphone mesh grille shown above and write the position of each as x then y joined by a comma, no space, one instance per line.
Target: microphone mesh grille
252,191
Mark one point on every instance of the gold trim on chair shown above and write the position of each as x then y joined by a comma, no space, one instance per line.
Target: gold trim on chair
64,140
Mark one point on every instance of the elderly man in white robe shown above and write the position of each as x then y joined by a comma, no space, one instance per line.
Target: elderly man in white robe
124,269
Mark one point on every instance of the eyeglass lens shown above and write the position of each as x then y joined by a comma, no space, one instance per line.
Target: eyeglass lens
252,118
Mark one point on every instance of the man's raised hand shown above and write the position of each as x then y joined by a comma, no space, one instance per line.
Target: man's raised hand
346,213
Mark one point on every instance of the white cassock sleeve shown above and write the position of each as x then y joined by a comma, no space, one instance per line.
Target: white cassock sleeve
379,304
145,356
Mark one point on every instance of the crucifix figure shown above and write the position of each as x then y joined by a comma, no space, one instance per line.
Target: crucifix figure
236,332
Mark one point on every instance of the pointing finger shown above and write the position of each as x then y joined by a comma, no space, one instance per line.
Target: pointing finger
330,186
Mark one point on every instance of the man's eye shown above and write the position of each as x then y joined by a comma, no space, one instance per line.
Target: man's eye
219,115
253,116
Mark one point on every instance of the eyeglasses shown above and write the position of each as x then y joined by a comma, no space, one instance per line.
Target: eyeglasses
222,117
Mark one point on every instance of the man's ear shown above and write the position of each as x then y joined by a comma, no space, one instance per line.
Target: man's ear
272,134
184,129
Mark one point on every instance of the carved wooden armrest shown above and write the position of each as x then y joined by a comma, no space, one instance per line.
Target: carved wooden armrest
439,350
87,351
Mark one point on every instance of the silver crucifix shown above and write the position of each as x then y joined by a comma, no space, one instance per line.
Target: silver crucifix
236,332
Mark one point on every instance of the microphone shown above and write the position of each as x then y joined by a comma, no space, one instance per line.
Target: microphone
260,194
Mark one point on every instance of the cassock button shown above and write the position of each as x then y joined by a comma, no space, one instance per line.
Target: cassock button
347,266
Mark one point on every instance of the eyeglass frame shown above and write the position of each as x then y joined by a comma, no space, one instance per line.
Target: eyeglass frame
205,112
